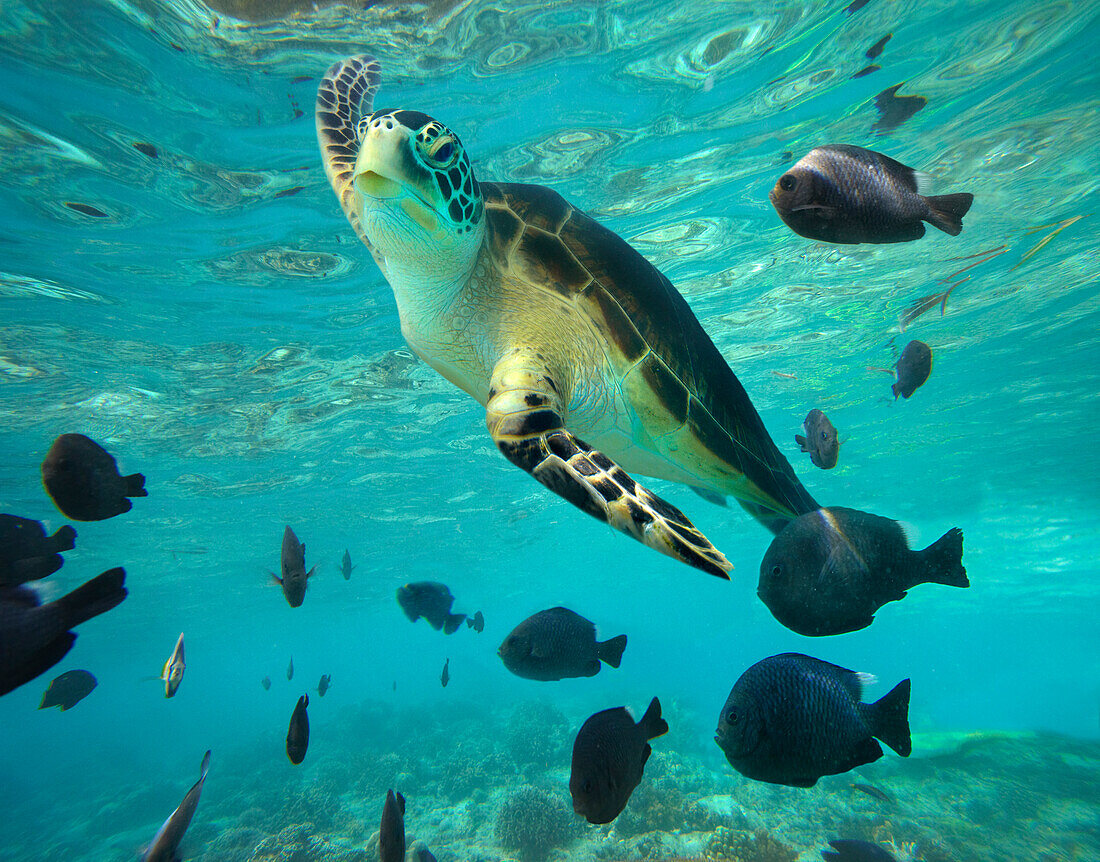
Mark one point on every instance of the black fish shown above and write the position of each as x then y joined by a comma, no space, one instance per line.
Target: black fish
855,6
845,194
445,677
67,690
266,683
556,644
609,754
346,566
476,622
821,440
851,850
35,636
913,368
297,734
290,670
876,49
324,684
27,553
292,562
83,480
391,834
893,110
167,840
791,719
432,601
829,571
872,791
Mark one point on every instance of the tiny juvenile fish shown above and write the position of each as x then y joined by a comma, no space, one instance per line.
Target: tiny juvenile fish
290,670
297,734
35,636
557,644
853,850
172,673
266,683
791,719
67,690
476,622
292,562
83,480
324,684
432,601
346,566
609,754
912,368
166,842
391,834
821,440
845,194
830,570
872,791
27,553
445,677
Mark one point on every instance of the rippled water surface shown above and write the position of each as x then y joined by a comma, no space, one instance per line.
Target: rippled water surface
177,281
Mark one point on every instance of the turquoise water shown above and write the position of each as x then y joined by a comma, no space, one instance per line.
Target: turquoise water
221,330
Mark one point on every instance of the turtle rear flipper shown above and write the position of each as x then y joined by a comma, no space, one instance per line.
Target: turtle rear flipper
525,418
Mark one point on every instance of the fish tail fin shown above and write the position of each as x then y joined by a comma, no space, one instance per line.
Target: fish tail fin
451,624
135,485
97,596
947,211
611,650
943,560
801,441
889,718
64,539
652,724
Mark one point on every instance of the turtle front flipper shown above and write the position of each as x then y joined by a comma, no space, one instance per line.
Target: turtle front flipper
525,418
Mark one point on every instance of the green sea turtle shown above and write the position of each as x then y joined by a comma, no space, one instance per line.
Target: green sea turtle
588,361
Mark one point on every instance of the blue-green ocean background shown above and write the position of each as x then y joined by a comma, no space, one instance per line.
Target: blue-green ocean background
222,331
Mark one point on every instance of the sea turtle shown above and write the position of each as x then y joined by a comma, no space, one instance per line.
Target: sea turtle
588,361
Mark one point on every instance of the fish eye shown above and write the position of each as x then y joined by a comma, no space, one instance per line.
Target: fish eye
787,182
777,570
824,435
587,788
733,716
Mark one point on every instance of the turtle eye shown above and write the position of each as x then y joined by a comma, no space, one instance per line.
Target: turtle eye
787,182
442,150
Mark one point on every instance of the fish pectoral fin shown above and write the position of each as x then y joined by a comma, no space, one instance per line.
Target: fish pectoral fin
525,419
276,579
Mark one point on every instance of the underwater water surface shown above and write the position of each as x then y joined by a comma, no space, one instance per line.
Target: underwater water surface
178,282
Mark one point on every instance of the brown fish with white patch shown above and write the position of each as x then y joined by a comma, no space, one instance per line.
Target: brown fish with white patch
845,194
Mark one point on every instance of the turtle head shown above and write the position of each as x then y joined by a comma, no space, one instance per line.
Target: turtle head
419,202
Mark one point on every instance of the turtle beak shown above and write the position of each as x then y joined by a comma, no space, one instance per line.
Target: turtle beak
377,167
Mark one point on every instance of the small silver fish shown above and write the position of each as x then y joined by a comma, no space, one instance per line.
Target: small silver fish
172,675
820,441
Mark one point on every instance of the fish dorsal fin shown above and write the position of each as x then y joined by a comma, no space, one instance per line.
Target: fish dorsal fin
400,803
204,767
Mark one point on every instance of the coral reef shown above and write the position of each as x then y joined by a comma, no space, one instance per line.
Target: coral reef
738,846
537,736
533,821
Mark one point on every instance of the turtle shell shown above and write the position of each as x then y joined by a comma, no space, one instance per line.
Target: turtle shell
674,377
